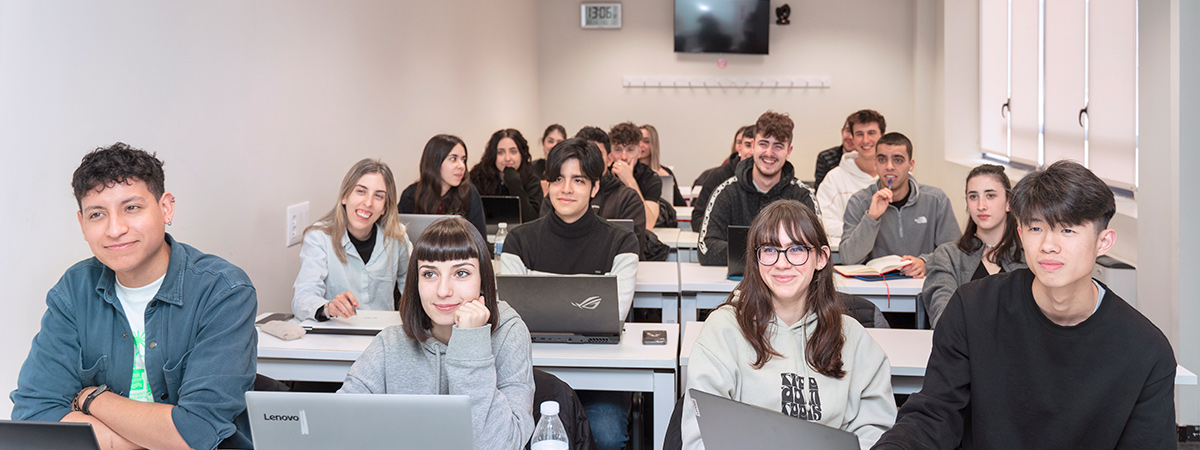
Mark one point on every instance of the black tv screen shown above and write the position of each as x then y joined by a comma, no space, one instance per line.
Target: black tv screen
722,26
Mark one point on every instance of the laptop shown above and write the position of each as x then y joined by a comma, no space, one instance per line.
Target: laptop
364,323
668,188
312,420
574,309
415,224
725,424
627,223
736,256
36,435
501,208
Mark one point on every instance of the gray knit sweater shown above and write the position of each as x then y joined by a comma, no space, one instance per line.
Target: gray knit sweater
495,370
948,269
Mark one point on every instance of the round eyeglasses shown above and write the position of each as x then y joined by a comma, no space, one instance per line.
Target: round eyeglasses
796,255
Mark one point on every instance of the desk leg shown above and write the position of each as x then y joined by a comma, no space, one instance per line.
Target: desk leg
670,308
664,404
687,311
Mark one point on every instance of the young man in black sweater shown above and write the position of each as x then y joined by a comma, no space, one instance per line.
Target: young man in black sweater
766,177
572,240
1045,357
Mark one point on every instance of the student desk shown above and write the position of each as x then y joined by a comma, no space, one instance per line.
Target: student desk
627,367
685,243
658,288
705,287
683,217
907,350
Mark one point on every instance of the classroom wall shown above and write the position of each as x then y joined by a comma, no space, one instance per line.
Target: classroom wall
865,47
253,106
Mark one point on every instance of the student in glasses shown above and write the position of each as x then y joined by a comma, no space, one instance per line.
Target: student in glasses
783,342
505,169
442,186
356,256
457,339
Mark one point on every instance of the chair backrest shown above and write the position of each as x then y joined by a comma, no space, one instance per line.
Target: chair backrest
547,387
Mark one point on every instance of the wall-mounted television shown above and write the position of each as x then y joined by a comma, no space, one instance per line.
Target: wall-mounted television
722,26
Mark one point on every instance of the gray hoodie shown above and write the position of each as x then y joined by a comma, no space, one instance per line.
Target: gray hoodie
495,370
923,223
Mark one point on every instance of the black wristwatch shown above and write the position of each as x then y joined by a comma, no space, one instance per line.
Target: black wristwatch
95,393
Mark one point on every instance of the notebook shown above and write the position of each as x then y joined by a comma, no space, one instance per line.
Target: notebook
415,224
576,309
35,435
501,208
732,425
736,256
311,420
364,323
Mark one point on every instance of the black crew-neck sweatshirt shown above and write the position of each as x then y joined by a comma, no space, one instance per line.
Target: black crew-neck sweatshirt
1003,376
587,246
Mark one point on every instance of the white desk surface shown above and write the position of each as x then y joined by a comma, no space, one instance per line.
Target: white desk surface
668,236
688,239
657,276
907,350
630,353
698,278
683,213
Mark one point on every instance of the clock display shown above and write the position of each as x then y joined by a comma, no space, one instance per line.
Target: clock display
600,15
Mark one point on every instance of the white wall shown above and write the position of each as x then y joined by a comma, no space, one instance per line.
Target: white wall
253,106
866,47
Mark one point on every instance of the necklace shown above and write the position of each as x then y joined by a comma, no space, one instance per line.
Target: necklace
985,244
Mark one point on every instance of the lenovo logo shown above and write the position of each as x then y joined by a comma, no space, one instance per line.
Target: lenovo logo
282,418
589,303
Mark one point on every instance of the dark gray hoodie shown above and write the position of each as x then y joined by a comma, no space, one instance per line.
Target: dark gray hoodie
495,370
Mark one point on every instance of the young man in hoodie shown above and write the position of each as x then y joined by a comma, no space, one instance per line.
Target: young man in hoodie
856,171
622,160
760,180
897,215
743,148
571,240
1045,357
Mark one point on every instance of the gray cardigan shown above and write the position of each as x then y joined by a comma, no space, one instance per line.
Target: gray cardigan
495,370
948,269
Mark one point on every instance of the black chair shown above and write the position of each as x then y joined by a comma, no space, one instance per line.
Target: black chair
265,383
547,387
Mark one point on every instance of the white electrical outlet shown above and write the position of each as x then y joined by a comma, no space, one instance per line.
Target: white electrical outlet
297,220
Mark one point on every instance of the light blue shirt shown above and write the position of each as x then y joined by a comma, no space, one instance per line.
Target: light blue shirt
322,276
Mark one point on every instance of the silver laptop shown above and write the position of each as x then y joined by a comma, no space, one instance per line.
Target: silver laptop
36,435
576,309
415,224
364,322
725,424
311,420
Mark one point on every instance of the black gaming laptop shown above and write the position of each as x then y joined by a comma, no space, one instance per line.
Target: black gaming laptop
575,309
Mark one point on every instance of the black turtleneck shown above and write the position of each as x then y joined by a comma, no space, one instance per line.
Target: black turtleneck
587,246
365,246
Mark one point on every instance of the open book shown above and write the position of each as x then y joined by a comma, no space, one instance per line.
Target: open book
880,266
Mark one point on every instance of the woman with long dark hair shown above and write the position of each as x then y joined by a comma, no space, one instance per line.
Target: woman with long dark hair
554,134
506,169
783,342
357,254
456,338
442,186
989,245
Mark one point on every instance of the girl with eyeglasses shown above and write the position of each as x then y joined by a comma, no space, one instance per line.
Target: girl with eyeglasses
783,342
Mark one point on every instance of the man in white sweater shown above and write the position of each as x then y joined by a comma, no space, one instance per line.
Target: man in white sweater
853,174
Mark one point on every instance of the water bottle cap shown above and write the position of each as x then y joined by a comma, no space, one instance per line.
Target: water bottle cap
503,225
549,408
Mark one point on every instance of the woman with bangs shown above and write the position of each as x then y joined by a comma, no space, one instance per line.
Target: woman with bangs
442,185
456,339
505,169
356,256
783,342
990,244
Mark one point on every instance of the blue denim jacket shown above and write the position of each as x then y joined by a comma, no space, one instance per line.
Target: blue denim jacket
200,349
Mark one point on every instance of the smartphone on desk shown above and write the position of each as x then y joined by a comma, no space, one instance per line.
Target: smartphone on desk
274,316
654,337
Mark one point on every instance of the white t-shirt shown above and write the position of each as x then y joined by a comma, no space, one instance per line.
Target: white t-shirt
134,302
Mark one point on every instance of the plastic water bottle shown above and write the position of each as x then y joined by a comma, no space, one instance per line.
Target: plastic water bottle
501,233
549,433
